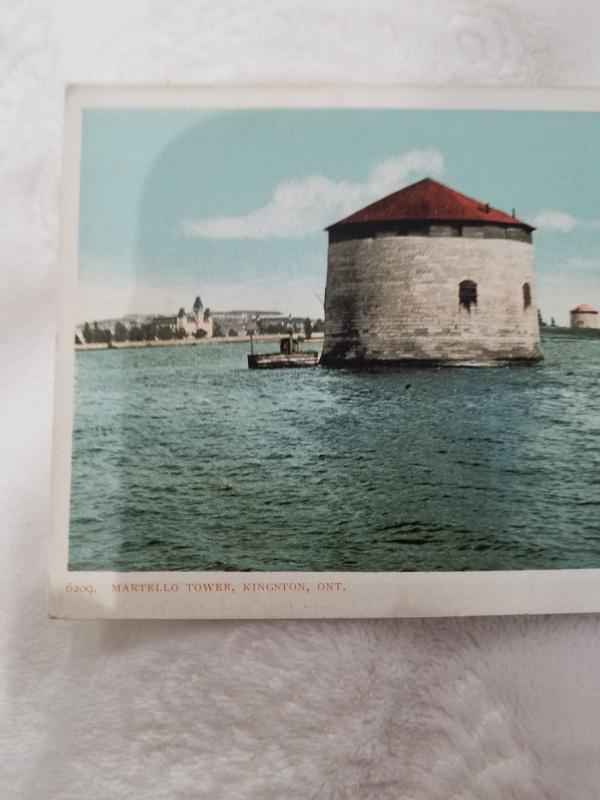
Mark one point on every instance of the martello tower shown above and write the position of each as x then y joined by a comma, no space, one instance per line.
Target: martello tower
430,276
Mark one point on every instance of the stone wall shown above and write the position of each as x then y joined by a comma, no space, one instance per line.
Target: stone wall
397,299
343,232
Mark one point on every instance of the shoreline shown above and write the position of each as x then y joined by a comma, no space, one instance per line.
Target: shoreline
263,337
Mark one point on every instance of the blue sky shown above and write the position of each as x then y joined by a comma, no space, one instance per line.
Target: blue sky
231,205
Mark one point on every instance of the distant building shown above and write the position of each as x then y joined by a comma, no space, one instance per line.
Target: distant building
582,316
267,323
428,275
241,321
297,324
264,322
199,319
189,323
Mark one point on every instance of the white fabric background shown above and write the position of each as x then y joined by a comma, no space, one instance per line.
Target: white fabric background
488,708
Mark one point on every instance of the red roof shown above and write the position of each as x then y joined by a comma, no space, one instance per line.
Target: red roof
583,309
432,201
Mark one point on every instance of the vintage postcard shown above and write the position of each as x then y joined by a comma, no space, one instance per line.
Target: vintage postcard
328,353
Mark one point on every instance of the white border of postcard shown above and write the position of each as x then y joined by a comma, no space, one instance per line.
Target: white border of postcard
257,595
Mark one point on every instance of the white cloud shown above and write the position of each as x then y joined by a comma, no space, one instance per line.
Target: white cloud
306,206
554,221
562,221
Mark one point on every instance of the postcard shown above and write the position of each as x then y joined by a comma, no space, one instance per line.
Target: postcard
327,352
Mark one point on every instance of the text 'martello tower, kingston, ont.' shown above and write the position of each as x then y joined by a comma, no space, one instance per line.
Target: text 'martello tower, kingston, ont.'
430,276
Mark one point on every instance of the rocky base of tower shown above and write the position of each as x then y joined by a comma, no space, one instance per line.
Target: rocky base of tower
368,362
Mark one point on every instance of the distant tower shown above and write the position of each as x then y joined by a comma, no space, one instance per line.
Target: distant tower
197,308
430,276
583,316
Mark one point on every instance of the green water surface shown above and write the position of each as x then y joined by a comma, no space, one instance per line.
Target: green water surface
183,459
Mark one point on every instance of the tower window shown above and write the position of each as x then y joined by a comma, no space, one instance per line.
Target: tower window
467,294
526,295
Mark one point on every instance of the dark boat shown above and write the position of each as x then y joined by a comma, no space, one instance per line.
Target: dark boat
289,356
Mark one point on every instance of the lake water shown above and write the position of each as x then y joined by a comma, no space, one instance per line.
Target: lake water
183,459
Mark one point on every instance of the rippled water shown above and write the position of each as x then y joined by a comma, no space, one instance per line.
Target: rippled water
184,459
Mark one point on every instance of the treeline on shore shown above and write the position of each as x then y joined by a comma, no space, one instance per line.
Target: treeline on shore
146,332
152,330
582,333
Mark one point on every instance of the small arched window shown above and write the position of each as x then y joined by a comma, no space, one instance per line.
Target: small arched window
467,294
526,295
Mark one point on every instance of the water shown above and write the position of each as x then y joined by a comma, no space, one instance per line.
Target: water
186,460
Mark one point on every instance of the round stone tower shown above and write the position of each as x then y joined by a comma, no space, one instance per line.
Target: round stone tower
430,276
583,316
